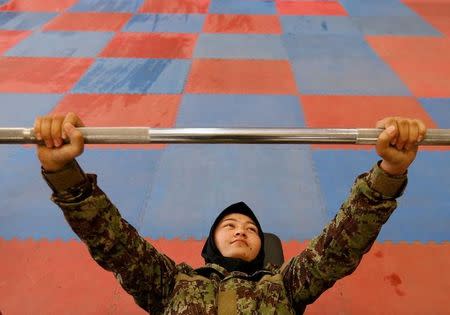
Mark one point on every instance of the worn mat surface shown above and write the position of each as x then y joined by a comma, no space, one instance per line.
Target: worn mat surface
224,63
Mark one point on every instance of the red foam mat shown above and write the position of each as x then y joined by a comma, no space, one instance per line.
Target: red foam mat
55,277
310,8
40,75
240,23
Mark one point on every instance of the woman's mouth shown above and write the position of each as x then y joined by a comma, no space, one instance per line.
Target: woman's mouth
239,242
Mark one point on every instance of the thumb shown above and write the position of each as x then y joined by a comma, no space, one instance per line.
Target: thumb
386,136
75,137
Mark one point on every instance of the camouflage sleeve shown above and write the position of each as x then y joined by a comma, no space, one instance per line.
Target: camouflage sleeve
338,250
113,243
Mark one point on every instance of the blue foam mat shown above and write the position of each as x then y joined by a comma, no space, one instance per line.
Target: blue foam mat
234,110
107,6
302,46
20,110
195,182
176,23
376,8
438,109
342,25
62,44
242,7
240,46
24,20
347,76
395,25
422,213
126,176
134,76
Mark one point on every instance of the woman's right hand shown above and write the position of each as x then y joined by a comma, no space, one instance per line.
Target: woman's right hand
62,141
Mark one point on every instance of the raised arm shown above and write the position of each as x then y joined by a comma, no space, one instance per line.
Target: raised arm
113,243
338,250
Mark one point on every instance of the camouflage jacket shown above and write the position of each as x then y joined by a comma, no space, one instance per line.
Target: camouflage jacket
160,286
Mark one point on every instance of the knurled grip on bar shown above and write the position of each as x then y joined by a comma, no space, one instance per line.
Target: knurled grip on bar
145,135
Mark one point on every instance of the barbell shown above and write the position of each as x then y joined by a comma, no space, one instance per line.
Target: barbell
145,135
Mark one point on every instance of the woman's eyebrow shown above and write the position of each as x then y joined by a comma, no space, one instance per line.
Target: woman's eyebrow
235,220
229,219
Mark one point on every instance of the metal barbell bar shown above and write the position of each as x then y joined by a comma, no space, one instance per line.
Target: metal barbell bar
145,135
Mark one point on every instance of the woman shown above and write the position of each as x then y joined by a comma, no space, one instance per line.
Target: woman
233,279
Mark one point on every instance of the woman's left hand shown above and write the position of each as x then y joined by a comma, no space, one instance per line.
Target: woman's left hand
397,145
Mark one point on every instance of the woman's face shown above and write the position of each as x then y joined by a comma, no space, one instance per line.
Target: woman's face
236,236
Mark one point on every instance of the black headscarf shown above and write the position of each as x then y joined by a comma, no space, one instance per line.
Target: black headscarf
211,253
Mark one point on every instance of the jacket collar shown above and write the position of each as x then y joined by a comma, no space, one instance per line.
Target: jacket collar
223,274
